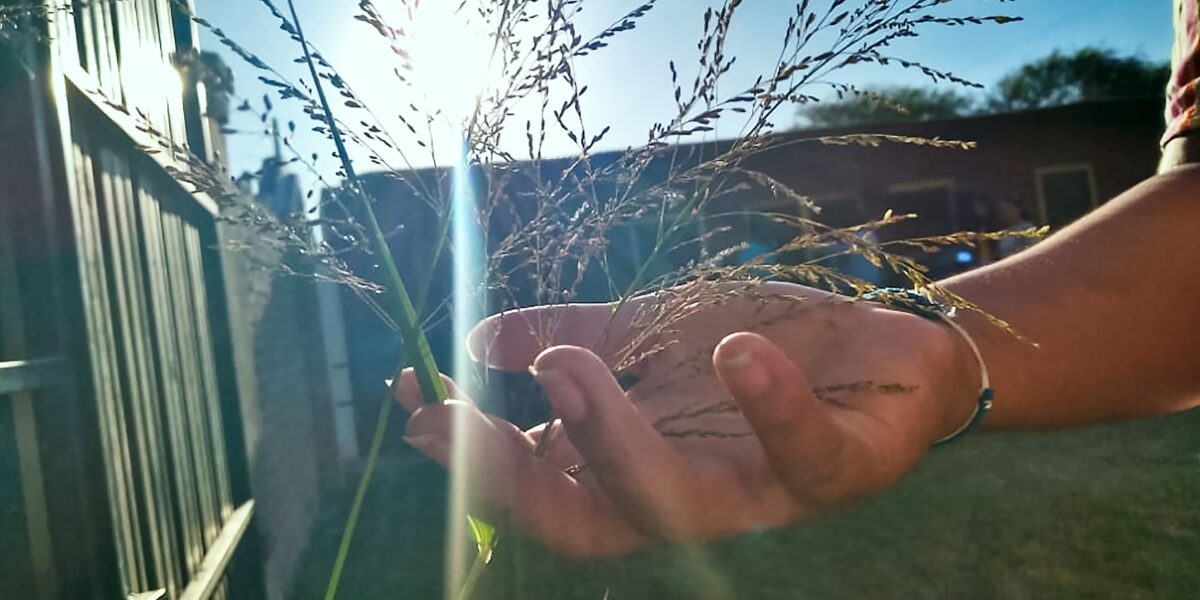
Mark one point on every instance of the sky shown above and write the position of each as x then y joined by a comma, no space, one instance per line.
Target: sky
629,83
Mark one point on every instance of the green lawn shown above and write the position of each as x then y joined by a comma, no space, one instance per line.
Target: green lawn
1107,512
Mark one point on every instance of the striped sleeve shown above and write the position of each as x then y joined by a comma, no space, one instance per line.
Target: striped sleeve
1185,70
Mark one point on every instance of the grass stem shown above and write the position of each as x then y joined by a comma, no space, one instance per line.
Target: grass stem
399,308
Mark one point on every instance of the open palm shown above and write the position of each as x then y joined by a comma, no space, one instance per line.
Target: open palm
758,411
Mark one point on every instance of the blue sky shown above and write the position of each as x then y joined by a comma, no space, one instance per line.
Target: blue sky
629,84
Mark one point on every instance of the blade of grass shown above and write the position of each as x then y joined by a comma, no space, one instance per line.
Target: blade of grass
485,541
400,308
472,579
339,563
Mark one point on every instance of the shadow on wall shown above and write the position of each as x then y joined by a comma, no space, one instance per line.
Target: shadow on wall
284,394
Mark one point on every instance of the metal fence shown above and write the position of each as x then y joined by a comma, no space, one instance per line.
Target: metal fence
113,326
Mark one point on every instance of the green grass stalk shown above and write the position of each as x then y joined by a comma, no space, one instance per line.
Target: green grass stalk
398,305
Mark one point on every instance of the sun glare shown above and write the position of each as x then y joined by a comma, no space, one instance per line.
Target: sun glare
449,51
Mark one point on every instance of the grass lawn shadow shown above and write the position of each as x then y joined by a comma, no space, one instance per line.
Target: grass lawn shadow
1104,512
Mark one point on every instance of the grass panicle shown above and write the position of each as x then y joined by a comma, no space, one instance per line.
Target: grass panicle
559,230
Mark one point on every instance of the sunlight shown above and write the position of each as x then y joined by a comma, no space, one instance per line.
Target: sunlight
466,310
436,66
469,260
449,51
148,77
442,57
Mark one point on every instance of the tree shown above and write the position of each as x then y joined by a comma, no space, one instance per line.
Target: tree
1088,74
209,68
1085,75
888,105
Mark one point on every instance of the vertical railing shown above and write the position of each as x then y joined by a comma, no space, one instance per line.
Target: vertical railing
143,280
169,365
106,380
211,401
131,319
142,275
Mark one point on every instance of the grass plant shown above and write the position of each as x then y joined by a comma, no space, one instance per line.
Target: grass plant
551,225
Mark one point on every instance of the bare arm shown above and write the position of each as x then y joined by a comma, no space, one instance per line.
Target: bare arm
1113,302
842,398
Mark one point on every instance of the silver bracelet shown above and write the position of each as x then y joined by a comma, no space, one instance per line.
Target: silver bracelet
921,305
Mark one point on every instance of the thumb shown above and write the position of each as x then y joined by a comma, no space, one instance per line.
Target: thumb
803,439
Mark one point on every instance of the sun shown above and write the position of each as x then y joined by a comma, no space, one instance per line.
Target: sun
424,81
450,53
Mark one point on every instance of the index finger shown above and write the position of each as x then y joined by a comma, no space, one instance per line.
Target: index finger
505,479
511,340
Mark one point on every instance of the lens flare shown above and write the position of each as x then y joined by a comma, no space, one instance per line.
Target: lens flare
466,243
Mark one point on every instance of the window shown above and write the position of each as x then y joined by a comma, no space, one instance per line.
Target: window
1065,193
931,202
840,209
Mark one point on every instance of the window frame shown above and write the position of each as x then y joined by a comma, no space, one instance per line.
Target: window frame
928,185
1040,173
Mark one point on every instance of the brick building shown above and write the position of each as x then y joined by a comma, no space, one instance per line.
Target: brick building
1054,164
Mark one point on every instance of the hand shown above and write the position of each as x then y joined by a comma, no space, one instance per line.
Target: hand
761,411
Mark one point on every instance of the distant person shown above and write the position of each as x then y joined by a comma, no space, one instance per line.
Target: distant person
1010,216
855,264
843,398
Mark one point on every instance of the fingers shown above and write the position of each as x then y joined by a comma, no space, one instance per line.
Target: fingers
805,443
511,340
408,391
504,478
640,472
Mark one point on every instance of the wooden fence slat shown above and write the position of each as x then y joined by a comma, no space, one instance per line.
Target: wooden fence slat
181,302
169,359
212,399
93,283
144,286
210,577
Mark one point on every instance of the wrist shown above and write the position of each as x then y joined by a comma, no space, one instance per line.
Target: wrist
958,375
963,382
1180,151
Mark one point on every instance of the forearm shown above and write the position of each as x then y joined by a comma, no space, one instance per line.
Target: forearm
1112,306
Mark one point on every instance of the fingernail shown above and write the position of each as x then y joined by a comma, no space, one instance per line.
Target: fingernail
739,360
564,395
413,415
423,442
744,375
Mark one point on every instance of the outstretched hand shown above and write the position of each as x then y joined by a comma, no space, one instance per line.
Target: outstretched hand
762,411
